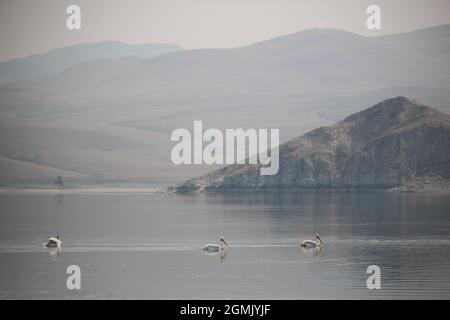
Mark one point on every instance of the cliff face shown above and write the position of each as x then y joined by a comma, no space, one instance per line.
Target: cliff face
398,144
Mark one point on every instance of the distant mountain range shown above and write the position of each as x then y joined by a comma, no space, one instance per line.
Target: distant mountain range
315,61
398,144
131,97
58,60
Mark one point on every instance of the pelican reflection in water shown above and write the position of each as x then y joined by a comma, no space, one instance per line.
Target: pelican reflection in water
54,253
313,251
222,254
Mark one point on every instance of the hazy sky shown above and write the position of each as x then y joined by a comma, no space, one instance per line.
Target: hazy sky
36,26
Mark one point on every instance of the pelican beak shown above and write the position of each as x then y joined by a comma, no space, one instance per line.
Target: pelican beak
225,242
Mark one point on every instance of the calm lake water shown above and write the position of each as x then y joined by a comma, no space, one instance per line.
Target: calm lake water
148,246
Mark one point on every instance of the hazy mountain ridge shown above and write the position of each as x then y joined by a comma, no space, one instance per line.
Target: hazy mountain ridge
56,61
398,144
313,60
74,76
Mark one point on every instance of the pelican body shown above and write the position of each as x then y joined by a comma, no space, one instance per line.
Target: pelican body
216,247
317,242
53,242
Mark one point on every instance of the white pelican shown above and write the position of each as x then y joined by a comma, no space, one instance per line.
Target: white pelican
215,247
312,243
53,242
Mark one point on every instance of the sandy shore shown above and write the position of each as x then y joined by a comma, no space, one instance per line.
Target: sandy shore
80,190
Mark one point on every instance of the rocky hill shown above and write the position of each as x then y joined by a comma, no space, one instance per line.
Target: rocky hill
396,145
